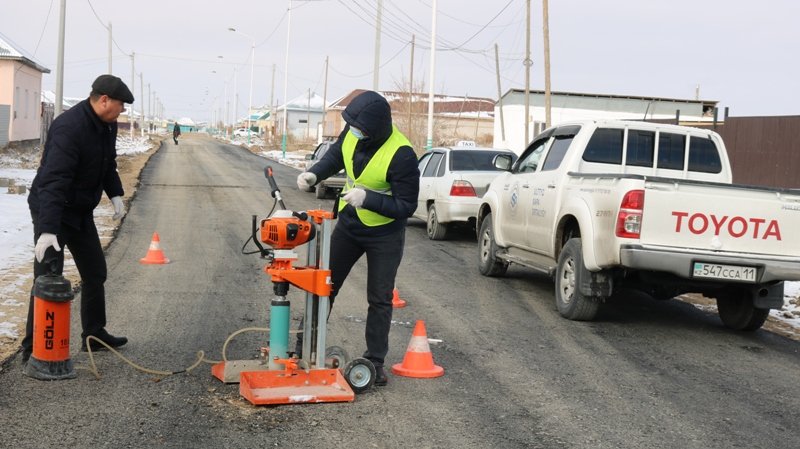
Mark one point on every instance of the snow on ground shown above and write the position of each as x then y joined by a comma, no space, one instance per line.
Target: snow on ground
16,228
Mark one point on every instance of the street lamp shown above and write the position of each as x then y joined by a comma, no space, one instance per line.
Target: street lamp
252,63
286,81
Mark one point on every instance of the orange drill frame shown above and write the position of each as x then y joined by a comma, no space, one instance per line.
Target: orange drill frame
310,279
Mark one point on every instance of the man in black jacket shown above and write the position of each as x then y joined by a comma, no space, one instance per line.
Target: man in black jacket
380,194
176,132
78,164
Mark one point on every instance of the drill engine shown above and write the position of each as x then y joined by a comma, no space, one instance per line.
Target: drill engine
286,229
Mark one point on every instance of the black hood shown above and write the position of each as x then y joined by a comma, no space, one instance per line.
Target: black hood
370,113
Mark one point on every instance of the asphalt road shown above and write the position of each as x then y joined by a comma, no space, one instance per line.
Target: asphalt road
647,374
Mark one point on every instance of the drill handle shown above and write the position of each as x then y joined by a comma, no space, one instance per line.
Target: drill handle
276,192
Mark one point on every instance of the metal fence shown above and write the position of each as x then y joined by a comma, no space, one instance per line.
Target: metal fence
763,151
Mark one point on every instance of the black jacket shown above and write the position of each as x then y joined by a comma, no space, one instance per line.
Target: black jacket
371,113
78,164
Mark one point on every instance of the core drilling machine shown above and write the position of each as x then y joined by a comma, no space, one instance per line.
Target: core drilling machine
318,376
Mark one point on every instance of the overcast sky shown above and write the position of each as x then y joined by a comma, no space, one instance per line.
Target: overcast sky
740,53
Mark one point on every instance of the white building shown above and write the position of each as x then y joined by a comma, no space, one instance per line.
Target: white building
569,106
303,117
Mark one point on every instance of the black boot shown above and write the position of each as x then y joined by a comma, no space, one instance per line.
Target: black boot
105,337
380,377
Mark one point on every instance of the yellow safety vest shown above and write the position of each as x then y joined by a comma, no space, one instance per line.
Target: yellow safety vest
374,175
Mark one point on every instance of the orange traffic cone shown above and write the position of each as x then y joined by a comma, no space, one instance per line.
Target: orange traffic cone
418,361
154,255
397,302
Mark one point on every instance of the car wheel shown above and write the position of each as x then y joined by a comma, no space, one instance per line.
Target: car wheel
488,263
322,191
571,303
436,230
737,312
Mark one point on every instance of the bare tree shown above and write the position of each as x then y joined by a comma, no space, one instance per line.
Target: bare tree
410,114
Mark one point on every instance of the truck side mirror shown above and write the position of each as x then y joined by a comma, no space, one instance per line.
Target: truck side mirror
309,156
503,162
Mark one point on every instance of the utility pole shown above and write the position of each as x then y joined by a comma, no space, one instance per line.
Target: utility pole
109,48
325,98
528,64
149,108
286,81
308,115
225,106
250,101
546,30
235,98
60,61
499,94
429,144
411,83
141,92
272,106
376,69
133,88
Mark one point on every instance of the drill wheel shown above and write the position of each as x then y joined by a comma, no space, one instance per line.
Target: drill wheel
335,357
360,374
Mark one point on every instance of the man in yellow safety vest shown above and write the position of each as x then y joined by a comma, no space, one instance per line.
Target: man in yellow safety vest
380,194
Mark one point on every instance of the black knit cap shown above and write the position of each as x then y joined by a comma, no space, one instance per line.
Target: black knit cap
113,87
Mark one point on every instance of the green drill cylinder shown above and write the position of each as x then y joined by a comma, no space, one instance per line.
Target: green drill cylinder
278,332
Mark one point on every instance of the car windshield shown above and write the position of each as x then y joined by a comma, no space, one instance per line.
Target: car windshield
474,160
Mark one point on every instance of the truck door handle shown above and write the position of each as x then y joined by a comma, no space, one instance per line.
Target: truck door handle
551,186
525,186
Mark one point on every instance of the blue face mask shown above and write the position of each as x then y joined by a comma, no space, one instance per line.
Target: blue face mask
357,133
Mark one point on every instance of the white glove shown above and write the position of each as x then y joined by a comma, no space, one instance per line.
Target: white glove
305,180
45,241
119,207
355,197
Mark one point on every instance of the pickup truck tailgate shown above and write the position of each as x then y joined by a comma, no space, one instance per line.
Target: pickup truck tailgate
721,217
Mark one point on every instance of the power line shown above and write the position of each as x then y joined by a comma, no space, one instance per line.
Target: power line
484,27
106,27
370,72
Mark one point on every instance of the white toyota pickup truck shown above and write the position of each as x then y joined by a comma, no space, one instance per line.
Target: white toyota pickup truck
601,205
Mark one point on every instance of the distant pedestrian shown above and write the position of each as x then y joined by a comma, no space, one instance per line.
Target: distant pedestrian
78,164
176,131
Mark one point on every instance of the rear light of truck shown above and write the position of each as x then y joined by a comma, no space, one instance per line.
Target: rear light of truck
462,188
629,219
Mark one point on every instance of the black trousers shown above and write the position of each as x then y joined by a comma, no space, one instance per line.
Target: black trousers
384,254
84,244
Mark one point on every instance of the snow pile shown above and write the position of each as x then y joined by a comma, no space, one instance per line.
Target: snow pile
128,145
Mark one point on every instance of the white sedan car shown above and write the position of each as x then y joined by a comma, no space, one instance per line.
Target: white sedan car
451,184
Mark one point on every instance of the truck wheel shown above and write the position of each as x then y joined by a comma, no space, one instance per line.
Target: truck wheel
737,312
322,191
571,303
436,230
489,264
